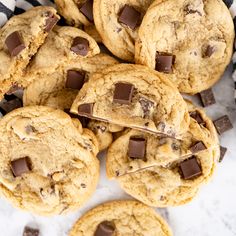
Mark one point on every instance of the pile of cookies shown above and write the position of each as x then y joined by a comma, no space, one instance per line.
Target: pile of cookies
63,101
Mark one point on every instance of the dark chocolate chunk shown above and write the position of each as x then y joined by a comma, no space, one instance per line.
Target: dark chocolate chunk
137,148
197,147
207,97
20,166
87,10
123,93
190,168
86,109
129,16
80,46
164,62
75,79
105,228
223,150
51,21
14,43
146,105
30,231
197,116
223,124
208,51
8,106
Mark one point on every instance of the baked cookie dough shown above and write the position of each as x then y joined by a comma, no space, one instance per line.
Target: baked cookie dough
20,39
92,31
118,23
164,177
48,163
63,45
76,12
192,39
134,96
59,89
121,218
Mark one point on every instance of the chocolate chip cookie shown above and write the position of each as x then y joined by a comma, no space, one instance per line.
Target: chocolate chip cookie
20,39
192,39
134,96
118,23
48,162
121,218
164,172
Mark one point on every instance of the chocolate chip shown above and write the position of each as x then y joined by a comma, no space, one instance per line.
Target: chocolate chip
75,79
188,10
106,228
137,148
223,124
190,168
197,116
175,146
80,46
207,97
197,147
14,43
83,185
123,93
87,10
20,166
30,231
208,51
164,62
223,150
129,16
8,106
86,109
146,105
51,21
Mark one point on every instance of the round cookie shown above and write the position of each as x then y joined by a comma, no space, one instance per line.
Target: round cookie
193,39
92,31
59,89
76,12
48,162
121,218
133,96
164,175
20,39
118,23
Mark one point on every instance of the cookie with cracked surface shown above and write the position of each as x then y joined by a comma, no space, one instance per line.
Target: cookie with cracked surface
192,41
20,39
134,96
48,162
121,218
175,181
59,89
135,150
63,45
118,23
76,12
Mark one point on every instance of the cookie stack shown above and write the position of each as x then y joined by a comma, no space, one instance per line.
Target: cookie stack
78,101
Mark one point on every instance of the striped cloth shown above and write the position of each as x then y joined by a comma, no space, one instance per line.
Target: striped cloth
8,8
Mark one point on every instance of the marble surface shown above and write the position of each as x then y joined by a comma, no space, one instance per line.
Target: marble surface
211,213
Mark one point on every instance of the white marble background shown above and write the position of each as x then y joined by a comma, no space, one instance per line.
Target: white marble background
211,213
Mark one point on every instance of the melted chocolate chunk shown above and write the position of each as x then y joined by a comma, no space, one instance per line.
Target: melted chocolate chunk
197,147
164,62
20,166
129,16
86,109
105,228
75,79
14,43
137,148
190,168
188,10
87,10
146,106
197,116
30,231
80,46
223,124
209,50
123,93
51,21
8,106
